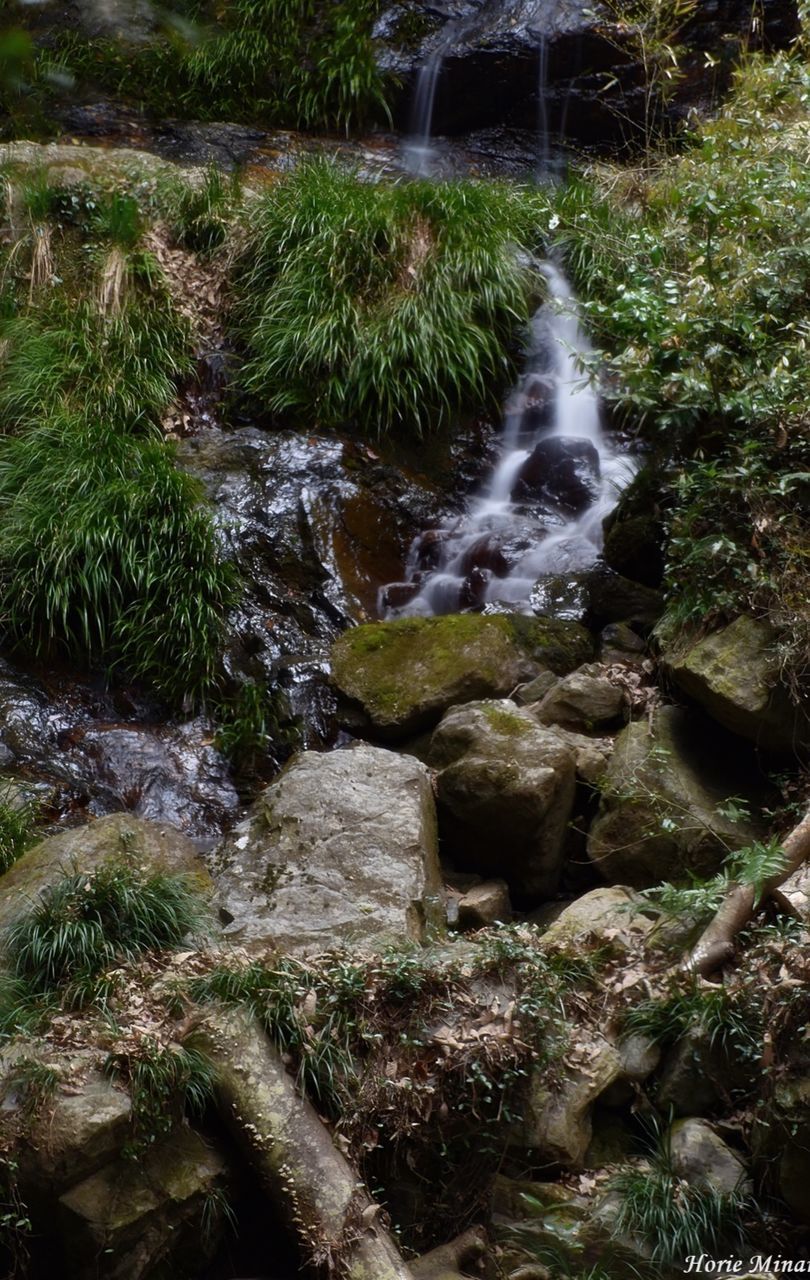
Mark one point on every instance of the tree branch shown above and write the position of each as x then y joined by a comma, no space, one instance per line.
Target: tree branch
715,947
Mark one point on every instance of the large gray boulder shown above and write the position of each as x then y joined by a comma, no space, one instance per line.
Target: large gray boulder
659,815
735,675
341,847
505,793
395,679
119,837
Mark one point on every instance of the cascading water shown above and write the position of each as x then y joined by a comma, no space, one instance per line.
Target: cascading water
540,517
417,150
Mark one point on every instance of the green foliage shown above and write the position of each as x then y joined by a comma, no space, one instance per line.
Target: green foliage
201,215
675,1218
17,821
164,1081
247,722
728,1021
695,280
15,1224
753,865
386,305
106,550
299,63
85,923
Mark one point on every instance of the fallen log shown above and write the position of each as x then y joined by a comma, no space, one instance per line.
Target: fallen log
715,947
293,1154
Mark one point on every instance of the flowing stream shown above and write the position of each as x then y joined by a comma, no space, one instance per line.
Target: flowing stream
540,515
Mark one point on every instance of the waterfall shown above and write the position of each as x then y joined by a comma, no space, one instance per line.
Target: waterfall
540,514
543,143
417,149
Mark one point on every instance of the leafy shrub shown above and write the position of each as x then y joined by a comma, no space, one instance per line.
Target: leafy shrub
89,921
386,305
695,279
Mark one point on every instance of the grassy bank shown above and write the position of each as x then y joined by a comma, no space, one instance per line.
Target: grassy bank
107,554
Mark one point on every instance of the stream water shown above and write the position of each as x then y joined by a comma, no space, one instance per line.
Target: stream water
539,516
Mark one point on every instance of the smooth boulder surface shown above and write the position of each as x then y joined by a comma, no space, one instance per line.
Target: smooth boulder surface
734,675
396,678
585,699
505,793
342,847
119,837
660,811
703,1159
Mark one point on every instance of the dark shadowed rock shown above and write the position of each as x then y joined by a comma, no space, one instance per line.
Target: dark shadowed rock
562,471
660,816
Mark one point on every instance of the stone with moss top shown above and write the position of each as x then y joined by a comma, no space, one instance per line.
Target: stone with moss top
397,678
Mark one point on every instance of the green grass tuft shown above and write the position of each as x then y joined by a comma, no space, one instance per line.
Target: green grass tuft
107,552
164,1081
388,306
88,922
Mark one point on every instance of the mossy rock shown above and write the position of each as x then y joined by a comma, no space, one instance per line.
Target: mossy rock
119,837
735,675
397,678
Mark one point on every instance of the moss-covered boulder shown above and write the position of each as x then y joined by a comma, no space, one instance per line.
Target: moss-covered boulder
734,675
145,1218
341,847
119,837
661,810
82,1126
397,678
505,794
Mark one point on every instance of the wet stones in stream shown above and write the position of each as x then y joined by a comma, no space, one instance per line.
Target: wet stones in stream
314,525
86,755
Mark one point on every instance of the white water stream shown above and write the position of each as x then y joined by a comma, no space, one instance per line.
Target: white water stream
558,476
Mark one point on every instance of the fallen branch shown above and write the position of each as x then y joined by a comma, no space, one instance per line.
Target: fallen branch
715,946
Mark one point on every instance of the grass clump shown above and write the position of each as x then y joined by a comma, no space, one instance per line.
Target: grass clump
87,922
297,63
675,1218
387,306
17,821
165,1082
107,553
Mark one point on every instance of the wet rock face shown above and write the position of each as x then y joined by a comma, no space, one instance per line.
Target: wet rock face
91,758
314,525
594,86
342,847
563,471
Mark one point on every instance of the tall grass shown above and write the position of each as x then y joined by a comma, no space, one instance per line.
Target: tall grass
107,554
88,921
388,306
290,62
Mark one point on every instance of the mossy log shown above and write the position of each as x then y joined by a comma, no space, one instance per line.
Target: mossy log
292,1152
